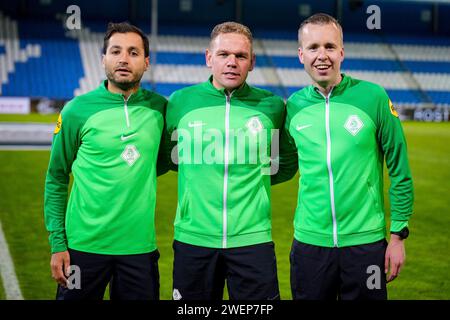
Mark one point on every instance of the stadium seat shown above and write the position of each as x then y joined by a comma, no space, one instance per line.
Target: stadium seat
59,64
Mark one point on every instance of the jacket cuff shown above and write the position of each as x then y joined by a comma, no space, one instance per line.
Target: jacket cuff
59,248
58,242
398,225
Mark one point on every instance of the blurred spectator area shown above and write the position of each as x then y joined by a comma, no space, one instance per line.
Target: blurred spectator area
42,59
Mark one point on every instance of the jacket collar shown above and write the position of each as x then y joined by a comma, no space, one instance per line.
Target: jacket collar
337,90
242,91
118,96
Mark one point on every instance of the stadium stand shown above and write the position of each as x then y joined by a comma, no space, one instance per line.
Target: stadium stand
56,63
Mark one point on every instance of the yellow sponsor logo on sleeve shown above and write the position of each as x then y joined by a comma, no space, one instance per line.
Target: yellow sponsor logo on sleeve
393,111
58,125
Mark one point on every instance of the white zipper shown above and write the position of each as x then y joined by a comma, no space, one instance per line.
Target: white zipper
125,106
330,171
225,176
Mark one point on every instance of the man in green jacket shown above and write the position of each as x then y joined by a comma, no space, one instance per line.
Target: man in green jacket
109,140
343,129
225,130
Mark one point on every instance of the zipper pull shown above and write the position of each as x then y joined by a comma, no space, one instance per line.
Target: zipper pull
228,97
125,107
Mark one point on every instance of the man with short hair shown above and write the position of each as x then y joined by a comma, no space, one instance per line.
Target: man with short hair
343,129
224,133
109,140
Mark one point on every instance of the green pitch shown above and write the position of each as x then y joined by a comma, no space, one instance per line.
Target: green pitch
2,291
425,275
33,117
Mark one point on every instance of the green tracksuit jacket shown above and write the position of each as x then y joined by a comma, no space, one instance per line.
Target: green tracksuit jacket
341,142
110,145
223,171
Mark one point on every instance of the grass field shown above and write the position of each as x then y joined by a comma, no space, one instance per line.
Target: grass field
33,117
425,275
2,291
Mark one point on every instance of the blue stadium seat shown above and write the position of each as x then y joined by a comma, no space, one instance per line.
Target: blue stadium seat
58,72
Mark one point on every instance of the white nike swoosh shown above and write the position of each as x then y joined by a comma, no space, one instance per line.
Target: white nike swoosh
303,127
123,138
195,124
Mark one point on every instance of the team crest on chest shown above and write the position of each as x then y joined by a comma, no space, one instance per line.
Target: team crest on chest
353,124
254,125
130,154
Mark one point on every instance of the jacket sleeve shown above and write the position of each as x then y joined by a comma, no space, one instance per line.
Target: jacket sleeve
393,145
163,163
64,148
171,137
288,158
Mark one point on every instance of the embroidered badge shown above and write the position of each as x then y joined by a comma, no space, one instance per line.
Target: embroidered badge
130,154
353,124
254,125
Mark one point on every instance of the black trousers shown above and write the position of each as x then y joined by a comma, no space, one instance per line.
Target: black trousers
250,272
347,273
131,277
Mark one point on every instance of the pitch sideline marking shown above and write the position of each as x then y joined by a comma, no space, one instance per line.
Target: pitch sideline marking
8,274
